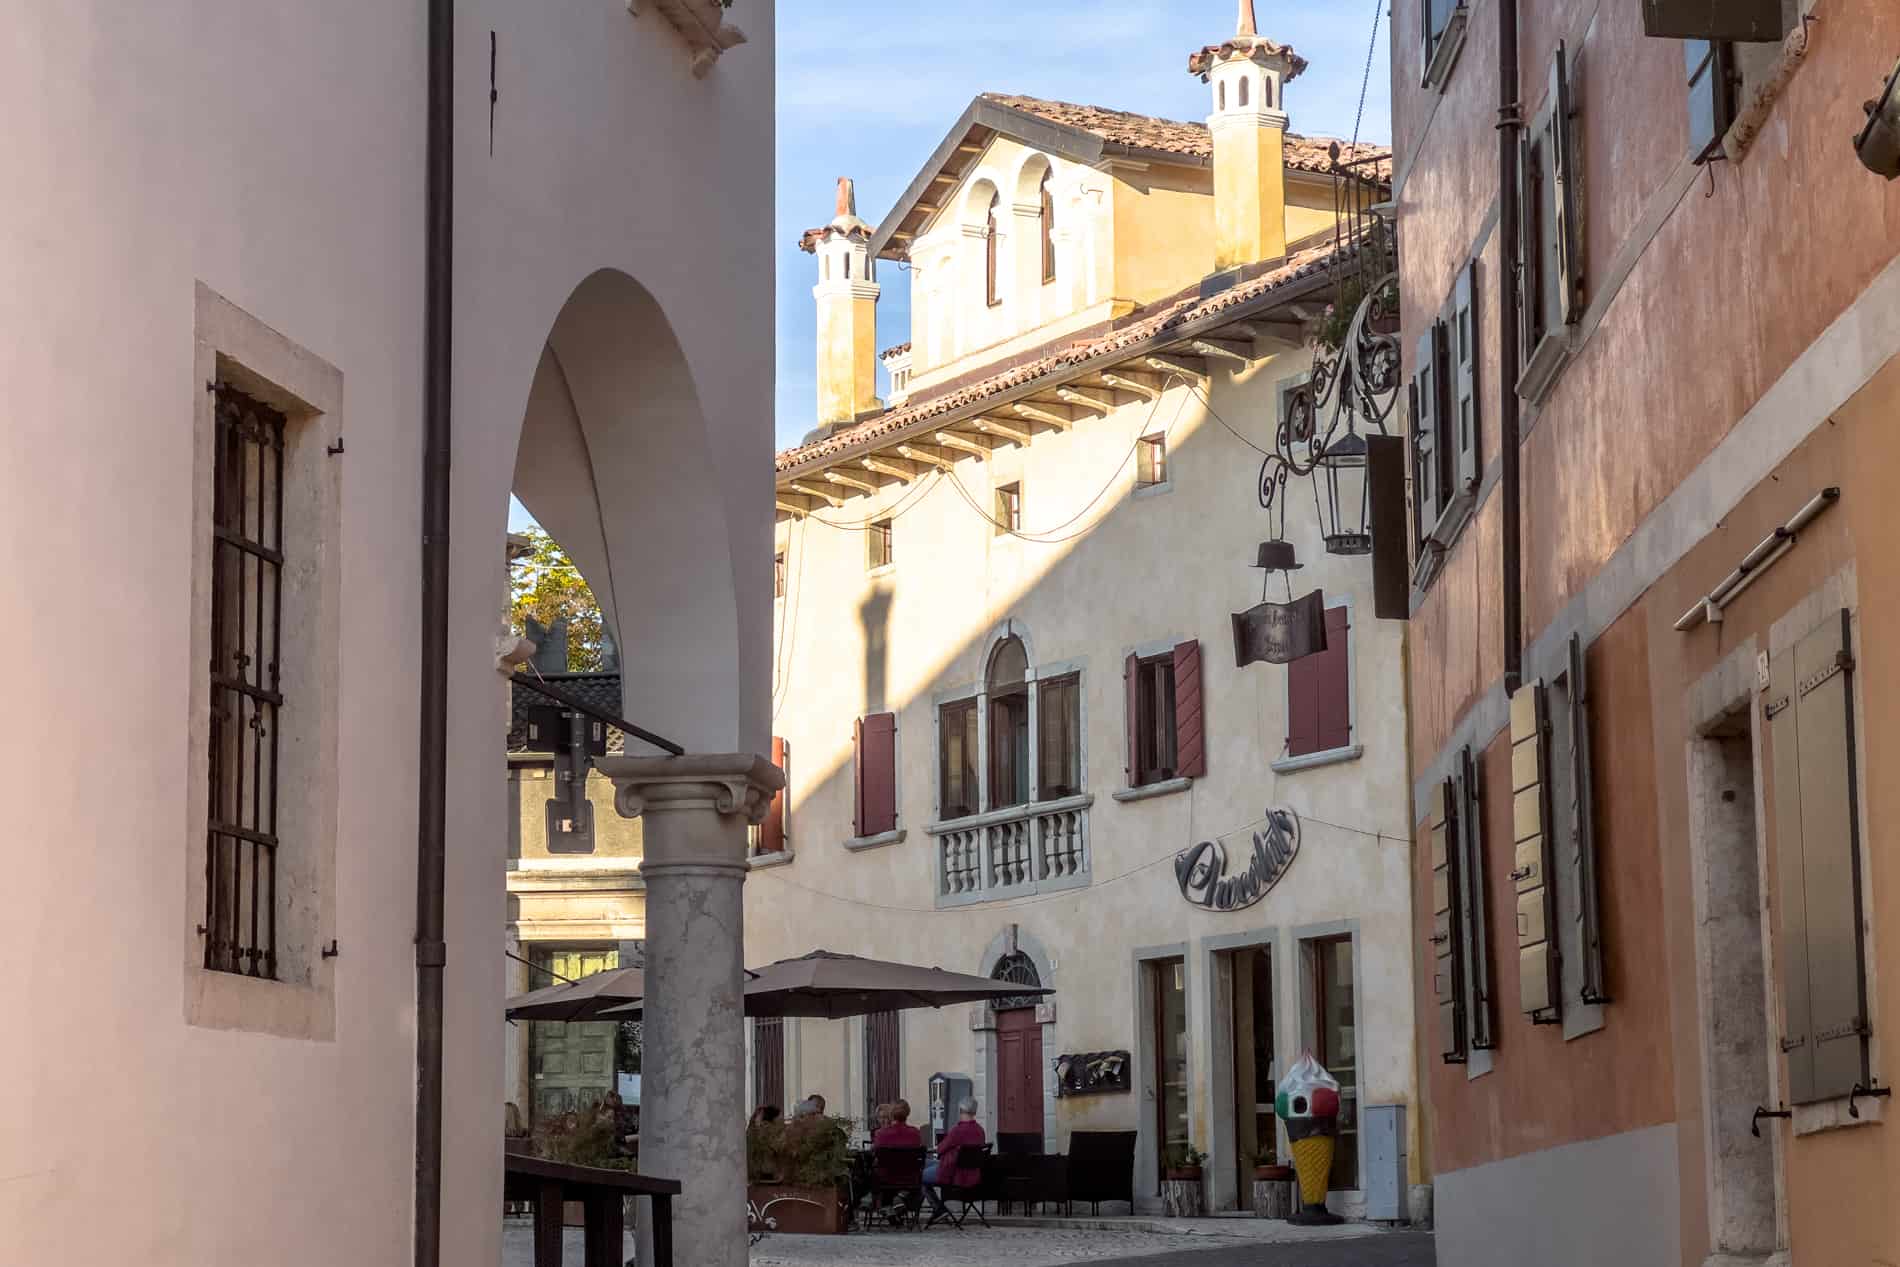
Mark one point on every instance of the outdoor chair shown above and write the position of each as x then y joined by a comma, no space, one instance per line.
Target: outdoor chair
897,1174
1101,1167
971,1199
1018,1143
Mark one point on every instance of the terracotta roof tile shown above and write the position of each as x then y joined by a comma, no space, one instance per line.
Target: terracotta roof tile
1179,313
1174,136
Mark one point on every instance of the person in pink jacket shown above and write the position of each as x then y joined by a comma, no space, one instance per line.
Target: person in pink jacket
945,1172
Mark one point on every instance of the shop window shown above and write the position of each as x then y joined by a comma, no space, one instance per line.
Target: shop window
1333,1028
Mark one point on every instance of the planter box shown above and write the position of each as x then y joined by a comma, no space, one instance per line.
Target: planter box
1182,1196
784,1207
1272,1192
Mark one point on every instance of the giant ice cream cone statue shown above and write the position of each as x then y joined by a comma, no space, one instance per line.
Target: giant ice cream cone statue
1307,1100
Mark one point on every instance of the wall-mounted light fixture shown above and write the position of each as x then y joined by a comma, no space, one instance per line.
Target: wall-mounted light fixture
1878,144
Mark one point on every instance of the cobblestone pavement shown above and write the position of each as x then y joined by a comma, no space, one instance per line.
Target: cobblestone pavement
1141,1243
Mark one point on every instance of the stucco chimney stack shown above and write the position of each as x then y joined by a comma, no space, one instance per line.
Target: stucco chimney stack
846,293
1248,73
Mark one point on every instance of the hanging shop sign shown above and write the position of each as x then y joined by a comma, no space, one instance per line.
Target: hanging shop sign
1280,633
1201,870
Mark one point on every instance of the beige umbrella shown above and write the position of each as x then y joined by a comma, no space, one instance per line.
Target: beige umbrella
582,1000
831,985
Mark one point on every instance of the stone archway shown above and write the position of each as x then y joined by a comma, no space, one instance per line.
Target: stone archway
1015,954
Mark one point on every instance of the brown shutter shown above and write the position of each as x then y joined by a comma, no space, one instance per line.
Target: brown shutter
857,778
1333,669
1190,738
1583,842
1742,21
1477,918
1302,705
772,831
1391,572
1131,690
1824,986
1464,428
877,774
1539,983
1447,932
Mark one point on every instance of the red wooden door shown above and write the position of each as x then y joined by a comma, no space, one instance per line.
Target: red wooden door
1018,1073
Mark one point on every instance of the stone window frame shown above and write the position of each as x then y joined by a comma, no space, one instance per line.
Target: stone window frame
231,345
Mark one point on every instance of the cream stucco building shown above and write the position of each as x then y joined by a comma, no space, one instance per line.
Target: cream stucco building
1005,691
256,257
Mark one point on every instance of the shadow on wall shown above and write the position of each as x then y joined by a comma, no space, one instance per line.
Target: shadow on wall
874,618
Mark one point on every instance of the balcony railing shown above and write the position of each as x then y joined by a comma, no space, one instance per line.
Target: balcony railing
1013,852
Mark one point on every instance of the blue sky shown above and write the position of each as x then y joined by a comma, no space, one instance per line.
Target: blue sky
868,88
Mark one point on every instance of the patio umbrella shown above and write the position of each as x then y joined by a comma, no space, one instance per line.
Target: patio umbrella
582,1000
827,984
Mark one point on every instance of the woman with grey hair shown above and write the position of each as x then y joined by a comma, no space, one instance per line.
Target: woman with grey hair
945,1172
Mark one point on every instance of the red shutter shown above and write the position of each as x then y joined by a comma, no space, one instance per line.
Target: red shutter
1190,740
877,774
772,831
1335,683
1131,688
1302,705
857,777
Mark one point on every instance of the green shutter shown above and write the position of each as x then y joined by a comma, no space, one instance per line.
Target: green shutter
1477,919
1540,986
1583,844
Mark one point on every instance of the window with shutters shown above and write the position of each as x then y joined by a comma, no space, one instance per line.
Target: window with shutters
1550,269
1319,701
883,1071
1460,936
1164,727
771,836
1442,24
1814,816
1533,870
1154,720
768,1062
1447,423
1712,88
875,776
1579,903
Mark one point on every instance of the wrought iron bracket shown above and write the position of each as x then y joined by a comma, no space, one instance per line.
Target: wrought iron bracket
330,951
1858,1091
1754,1123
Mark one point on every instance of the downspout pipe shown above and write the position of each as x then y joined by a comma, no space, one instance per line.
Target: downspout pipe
432,735
1510,299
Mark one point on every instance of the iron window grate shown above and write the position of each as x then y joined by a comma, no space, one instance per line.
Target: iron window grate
247,556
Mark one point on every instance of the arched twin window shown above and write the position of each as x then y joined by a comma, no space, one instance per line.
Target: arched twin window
1048,229
1051,747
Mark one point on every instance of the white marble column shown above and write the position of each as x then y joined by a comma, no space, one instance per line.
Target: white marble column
692,1084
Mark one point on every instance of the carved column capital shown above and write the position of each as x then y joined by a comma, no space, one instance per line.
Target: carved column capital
734,783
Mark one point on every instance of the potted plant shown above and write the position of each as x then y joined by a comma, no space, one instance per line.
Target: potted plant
1184,1163
1267,1167
796,1175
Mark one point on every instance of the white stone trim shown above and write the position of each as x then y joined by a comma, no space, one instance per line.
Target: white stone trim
1148,791
858,844
1313,760
760,861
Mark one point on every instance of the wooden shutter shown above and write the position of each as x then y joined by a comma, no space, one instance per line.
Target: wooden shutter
1385,483
1190,739
1569,267
1302,704
772,831
1540,981
1333,669
1817,839
1744,21
876,774
1583,842
1131,691
1477,920
1530,251
1447,928
1466,434
1427,495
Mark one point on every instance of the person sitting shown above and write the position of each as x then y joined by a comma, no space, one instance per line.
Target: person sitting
896,1130
808,1107
817,1103
944,1172
764,1114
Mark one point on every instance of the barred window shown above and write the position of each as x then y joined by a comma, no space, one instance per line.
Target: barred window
247,558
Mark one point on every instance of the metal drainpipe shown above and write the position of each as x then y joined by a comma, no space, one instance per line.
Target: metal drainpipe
1510,124
432,740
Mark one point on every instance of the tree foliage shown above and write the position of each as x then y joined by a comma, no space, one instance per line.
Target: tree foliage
545,586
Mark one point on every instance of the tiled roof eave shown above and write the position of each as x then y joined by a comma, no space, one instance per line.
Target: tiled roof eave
1313,278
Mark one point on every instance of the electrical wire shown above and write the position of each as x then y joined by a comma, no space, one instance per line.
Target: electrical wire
777,874
1372,46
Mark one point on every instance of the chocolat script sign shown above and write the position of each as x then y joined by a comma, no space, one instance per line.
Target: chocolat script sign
1201,870
1280,633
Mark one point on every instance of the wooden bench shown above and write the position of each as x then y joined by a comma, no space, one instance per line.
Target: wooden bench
549,1185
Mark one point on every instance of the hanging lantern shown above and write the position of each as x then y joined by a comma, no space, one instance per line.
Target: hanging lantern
1339,486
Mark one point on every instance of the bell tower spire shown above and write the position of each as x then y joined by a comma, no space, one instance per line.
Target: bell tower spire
1246,24
846,292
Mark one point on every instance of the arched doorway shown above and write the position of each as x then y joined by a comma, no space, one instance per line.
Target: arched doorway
1019,1105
